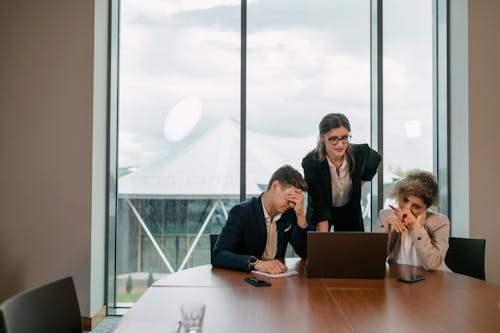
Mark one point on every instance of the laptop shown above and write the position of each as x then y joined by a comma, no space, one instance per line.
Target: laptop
359,255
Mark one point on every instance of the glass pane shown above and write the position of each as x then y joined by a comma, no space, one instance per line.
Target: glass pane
179,139
408,89
304,60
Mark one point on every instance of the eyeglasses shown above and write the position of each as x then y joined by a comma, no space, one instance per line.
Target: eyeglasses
336,139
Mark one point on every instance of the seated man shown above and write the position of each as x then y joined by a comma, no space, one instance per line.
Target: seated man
258,230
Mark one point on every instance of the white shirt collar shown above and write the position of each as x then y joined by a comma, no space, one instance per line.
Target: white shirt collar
266,215
342,166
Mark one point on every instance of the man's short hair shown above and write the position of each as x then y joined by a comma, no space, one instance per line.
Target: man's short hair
288,176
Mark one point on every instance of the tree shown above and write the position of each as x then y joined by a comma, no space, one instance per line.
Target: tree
129,285
150,279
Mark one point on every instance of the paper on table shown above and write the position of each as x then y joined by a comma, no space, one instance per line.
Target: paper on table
276,276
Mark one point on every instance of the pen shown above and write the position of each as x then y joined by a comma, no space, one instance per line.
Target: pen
392,207
177,328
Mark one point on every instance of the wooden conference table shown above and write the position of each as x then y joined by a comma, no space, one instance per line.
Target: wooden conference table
443,302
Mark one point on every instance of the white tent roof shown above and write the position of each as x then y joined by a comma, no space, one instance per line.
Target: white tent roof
210,166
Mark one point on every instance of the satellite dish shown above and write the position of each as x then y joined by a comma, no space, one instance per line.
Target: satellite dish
181,120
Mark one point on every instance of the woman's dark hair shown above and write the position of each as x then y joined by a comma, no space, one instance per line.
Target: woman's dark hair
418,183
327,123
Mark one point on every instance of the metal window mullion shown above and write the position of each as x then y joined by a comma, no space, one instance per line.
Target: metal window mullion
377,101
243,100
112,152
441,102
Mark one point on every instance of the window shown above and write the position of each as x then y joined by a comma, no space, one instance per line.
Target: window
304,60
408,88
178,136
193,82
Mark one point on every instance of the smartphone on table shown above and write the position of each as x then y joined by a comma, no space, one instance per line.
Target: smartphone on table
411,278
257,282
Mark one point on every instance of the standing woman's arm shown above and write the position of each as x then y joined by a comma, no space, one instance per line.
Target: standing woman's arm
320,208
371,162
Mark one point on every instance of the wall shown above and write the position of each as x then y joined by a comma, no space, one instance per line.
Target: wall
99,149
46,146
484,128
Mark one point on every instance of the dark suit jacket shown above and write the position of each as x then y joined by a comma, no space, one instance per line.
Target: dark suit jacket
245,235
317,176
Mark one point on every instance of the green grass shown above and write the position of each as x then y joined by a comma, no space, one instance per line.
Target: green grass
128,298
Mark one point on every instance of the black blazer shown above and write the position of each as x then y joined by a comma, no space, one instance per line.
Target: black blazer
245,235
317,176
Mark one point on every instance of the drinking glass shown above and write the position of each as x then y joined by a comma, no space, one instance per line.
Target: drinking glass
192,316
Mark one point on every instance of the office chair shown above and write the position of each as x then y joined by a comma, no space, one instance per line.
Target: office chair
466,256
213,240
51,308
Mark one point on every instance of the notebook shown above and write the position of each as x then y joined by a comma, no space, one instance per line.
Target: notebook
359,255
277,276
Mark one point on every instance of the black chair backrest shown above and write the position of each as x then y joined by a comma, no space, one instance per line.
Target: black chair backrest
213,240
52,308
466,256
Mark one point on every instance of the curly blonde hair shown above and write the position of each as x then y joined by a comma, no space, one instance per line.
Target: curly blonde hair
419,183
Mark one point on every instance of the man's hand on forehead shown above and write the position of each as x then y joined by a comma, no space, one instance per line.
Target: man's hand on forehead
294,196
292,190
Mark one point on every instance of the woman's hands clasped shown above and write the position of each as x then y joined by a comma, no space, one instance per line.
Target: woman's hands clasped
405,220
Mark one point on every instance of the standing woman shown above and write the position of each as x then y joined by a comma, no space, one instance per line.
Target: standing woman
335,171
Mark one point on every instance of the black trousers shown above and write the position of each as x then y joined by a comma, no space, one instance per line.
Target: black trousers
347,218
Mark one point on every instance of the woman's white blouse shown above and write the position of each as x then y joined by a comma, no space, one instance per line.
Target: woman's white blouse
341,183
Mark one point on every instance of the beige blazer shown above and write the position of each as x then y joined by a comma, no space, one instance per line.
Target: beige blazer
431,240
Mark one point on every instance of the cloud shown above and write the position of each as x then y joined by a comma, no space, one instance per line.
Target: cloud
167,8
133,152
299,80
302,74
295,75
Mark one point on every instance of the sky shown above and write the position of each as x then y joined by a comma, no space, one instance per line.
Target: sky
180,72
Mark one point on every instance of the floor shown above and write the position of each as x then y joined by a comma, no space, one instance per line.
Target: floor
106,325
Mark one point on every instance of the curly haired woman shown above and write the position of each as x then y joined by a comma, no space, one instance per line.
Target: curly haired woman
417,236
